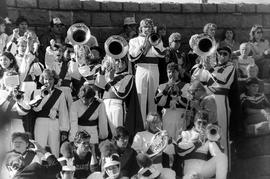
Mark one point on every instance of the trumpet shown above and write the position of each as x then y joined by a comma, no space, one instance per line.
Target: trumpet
154,39
213,132
116,47
203,44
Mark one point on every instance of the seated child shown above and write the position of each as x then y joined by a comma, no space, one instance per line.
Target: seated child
256,109
244,60
252,72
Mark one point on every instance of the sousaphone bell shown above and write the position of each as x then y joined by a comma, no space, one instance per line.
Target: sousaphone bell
116,47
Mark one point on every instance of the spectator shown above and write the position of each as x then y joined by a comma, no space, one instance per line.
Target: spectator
256,108
261,50
244,60
3,35
22,30
228,39
252,72
129,28
56,33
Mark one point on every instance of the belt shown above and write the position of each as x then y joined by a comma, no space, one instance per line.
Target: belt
196,155
219,91
88,123
151,60
65,83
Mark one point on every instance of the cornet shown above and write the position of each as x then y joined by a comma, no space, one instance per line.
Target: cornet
116,47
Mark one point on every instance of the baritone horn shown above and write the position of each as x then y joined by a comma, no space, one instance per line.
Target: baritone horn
78,34
203,44
116,47
213,132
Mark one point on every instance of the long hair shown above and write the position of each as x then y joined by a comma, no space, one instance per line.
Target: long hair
51,73
253,30
13,65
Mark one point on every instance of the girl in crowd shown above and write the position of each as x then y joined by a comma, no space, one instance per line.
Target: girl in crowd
252,72
22,30
52,120
3,35
145,55
228,39
261,50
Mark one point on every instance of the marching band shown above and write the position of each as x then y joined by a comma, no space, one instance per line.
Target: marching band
75,97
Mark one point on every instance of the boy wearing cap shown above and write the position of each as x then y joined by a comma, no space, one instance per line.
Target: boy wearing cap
129,28
256,108
145,55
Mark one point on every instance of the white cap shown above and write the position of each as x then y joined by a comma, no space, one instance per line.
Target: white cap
57,20
129,21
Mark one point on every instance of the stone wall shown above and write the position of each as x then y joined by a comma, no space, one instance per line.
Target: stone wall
106,19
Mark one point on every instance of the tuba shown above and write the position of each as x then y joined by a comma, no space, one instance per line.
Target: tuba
213,132
203,44
116,47
158,143
78,34
154,39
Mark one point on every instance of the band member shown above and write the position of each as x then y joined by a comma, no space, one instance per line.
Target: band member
222,82
169,97
203,101
145,55
62,66
149,171
20,166
142,141
194,146
110,163
52,115
120,96
87,113
127,155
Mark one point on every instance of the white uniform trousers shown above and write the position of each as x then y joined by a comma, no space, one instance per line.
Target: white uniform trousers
115,113
147,80
47,132
67,93
173,120
223,118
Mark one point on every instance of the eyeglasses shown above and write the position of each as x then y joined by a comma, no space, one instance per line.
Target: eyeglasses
224,54
199,122
259,32
177,41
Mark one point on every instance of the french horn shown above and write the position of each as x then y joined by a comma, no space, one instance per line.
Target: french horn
116,46
158,143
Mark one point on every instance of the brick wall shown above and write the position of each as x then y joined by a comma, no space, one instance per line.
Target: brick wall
106,19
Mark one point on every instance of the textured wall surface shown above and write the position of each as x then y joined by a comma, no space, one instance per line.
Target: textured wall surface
106,19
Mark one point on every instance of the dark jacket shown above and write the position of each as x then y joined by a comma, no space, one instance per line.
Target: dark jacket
38,171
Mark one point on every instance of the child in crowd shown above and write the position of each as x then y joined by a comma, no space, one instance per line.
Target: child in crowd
256,108
244,60
252,72
3,35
